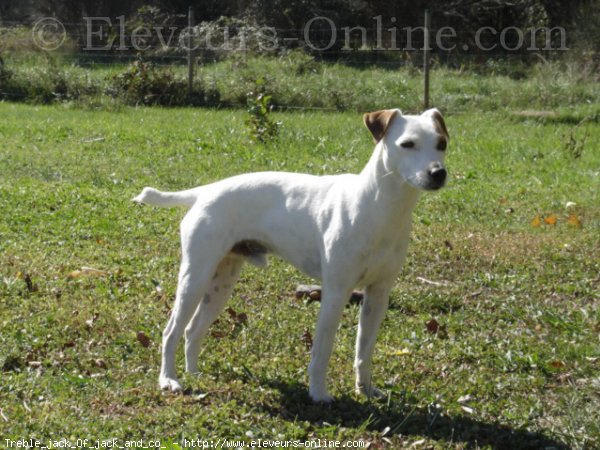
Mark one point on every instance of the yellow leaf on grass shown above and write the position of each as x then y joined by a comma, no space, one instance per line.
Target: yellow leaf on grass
573,220
87,272
403,352
536,222
550,220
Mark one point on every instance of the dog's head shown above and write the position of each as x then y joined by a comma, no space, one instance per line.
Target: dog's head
413,146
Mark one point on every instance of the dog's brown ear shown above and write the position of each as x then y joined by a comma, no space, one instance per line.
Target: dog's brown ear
378,122
438,121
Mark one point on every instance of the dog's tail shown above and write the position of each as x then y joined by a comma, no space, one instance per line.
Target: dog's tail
155,197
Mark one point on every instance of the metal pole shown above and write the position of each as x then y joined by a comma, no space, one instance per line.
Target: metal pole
426,50
190,52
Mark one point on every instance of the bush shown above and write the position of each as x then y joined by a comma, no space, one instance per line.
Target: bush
5,74
260,127
144,84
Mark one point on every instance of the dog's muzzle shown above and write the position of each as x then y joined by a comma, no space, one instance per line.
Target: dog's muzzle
436,176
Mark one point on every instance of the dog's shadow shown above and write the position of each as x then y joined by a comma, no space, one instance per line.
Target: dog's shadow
400,416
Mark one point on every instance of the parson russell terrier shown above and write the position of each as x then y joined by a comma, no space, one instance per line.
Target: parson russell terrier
346,230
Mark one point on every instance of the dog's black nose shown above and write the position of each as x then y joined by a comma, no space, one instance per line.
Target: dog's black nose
438,174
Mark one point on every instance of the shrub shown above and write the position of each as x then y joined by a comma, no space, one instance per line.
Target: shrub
5,74
143,84
260,127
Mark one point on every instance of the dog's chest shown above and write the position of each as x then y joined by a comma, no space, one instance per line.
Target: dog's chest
383,260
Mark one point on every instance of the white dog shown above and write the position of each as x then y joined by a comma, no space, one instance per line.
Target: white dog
346,230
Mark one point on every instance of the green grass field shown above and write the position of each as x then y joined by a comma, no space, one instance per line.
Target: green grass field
515,365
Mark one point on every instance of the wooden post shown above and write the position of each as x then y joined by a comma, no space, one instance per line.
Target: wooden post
426,50
190,56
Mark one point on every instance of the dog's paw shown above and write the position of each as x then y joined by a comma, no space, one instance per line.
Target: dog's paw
371,392
169,384
320,396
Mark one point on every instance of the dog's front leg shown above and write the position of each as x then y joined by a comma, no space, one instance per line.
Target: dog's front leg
372,312
332,307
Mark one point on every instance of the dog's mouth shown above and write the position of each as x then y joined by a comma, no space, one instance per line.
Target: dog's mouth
425,182
434,185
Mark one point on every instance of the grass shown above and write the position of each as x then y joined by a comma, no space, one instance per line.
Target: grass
516,365
296,80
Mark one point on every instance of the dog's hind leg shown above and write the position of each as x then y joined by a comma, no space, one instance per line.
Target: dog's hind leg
194,280
212,304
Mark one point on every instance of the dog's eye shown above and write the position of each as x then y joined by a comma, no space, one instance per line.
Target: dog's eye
441,145
408,144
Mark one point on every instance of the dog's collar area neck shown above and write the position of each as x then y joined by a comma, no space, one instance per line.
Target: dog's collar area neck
384,185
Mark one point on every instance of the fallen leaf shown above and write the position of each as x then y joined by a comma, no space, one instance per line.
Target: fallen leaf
557,364
87,272
574,221
143,339
100,363
536,222
403,352
433,326
307,339
218,334
241,318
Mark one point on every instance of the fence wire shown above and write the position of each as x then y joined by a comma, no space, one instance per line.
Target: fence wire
115,54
